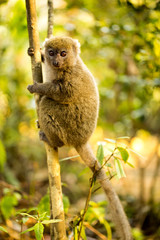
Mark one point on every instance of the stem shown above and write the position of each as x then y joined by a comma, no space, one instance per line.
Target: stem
86,205
100,235
107,160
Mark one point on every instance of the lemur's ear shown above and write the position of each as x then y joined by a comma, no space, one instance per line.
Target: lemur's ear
76,46
43,44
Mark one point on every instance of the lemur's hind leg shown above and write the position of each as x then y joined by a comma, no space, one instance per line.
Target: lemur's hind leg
55,140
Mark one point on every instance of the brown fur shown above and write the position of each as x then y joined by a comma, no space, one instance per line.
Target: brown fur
68,112
68,109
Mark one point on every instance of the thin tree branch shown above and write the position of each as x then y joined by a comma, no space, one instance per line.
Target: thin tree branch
50,18
87,225
58,231
34,44
57,211
86,204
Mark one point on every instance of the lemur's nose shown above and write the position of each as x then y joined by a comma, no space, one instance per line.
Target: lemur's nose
56,63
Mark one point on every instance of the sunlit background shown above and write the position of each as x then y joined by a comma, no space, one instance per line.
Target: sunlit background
120,44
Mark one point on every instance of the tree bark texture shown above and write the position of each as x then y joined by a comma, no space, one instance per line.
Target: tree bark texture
56,206
57,212
34,41
34,44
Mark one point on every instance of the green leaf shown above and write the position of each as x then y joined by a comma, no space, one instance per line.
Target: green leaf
138,154
84,171
66,203
108,229
21,211
130,164
119,168
24,219
75,233
30,216
44,205
110,149
83,234
68,158
42,216
10,177
95,211
124,137
124,153
51,221
100,154
28,230
2,156
32,209
3,229
108,165
110,140
7,205
38,229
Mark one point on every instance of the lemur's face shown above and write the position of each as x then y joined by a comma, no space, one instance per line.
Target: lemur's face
61,52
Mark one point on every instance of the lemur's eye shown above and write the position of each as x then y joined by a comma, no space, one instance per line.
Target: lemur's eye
63,53
51,53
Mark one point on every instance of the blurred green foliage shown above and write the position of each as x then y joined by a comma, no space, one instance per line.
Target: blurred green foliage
8,203
120,43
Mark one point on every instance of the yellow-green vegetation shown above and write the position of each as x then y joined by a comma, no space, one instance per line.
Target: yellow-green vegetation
120,44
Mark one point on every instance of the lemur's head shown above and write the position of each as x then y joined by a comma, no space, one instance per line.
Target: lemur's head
61,52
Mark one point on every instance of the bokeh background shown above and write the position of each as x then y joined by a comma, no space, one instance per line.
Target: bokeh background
120,44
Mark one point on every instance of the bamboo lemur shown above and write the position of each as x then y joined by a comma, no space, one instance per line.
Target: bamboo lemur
68,108
68,112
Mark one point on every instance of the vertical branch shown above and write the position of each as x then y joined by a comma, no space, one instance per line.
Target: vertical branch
34,44
56,205
50,18
57,229
34,41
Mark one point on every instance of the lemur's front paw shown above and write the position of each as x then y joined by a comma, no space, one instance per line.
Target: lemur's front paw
32,88
30,51
37,124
